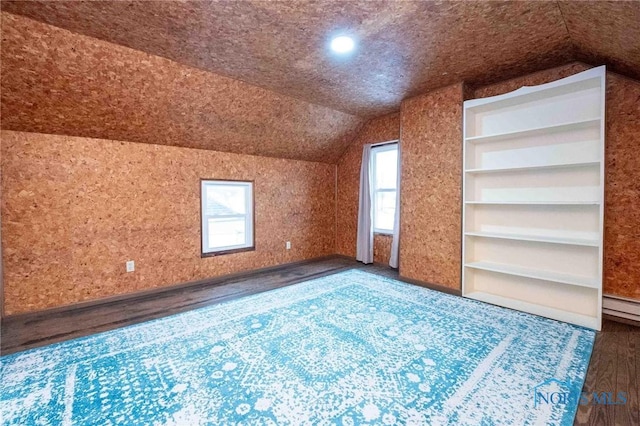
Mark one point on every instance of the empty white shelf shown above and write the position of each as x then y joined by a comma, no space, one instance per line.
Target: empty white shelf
563,127
537,238
534,167
536,274
543,311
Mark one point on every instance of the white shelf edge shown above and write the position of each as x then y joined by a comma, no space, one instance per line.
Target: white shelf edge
533,308
534,167
593,73
537,239
571,125
529,133
518,271
539,203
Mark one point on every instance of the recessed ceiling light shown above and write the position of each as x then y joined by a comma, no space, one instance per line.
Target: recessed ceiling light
342,44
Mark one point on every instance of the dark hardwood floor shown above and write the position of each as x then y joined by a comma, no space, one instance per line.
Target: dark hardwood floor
614,366
28,331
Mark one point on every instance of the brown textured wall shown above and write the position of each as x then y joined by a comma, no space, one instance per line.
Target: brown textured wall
57,82
622,187
75,209
622,190
381,129
431,191
1,262
382,248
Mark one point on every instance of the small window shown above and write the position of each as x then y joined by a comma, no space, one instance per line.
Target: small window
227,216
384,165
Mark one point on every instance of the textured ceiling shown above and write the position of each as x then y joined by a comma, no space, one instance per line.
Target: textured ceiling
404,48
55,81
606,33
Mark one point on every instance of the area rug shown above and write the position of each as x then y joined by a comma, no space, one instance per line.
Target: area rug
350,348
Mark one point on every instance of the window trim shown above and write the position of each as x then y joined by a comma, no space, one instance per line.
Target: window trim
251,183
385,146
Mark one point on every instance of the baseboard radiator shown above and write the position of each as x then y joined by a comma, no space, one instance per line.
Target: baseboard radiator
621,307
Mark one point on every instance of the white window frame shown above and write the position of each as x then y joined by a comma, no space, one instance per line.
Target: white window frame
391,146
248,217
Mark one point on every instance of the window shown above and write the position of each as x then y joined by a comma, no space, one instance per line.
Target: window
227,216
384,166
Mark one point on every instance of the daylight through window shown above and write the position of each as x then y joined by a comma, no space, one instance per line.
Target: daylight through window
384,164
227,216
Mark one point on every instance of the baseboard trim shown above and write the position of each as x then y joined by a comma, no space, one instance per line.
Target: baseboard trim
344,256
209,282
430,286
621,307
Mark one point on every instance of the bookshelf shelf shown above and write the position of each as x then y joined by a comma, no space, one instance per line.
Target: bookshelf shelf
533,188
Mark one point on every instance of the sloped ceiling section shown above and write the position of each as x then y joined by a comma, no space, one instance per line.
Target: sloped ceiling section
58,81
404,47
605,33
55,81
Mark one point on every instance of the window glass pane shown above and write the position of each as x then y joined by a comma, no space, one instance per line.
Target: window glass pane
224,232
385,209
225,200
227,215
386,169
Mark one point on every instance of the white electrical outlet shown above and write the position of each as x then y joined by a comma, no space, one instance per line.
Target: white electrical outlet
131,266
288,245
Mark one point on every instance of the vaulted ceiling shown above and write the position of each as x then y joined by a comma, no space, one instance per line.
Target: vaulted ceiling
403,48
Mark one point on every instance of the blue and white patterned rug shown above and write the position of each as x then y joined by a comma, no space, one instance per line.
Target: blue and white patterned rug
351,348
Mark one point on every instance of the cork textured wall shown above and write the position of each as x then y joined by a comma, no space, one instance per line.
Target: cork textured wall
75,209
383,129
58,82
622,187
431,194
382,248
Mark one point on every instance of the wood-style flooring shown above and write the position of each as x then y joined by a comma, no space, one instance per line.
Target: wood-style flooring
20,332
614,366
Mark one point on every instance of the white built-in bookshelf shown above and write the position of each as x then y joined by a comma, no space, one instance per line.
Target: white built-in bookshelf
533,190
